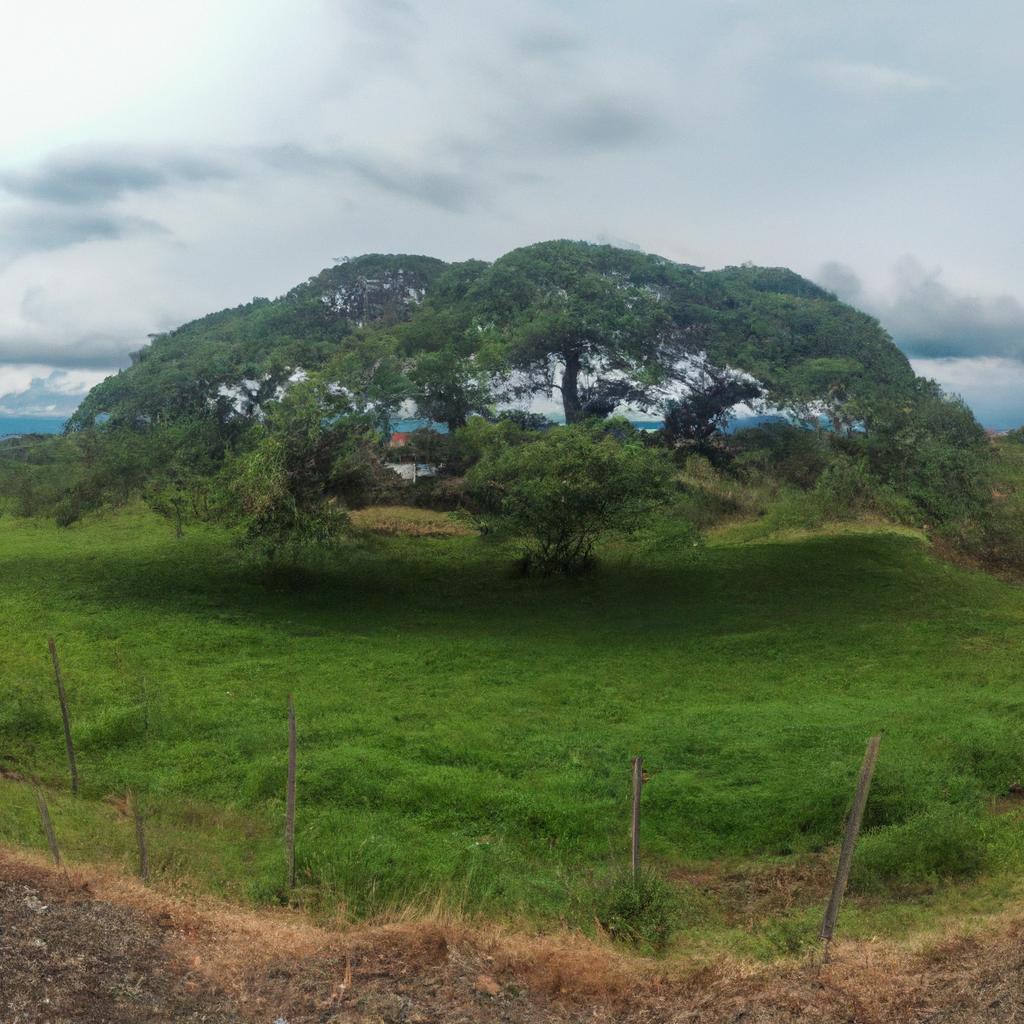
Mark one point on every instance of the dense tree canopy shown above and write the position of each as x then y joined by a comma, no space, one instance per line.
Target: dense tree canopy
599,326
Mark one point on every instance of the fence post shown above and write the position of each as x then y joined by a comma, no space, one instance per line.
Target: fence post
638,782
289,817
140,834
64,715
853,822
44,817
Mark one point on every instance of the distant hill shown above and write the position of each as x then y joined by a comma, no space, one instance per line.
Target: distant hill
799,340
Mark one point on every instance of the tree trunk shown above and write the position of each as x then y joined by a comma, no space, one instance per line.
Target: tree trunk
571,388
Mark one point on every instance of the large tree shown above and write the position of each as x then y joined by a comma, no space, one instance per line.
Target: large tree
580,320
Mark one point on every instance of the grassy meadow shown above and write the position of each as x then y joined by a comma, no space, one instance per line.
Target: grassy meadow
465,735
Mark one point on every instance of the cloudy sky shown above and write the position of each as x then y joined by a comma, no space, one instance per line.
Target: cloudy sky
158,161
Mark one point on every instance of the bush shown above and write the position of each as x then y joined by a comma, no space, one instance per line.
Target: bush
641,911
930,449
790,935
998,537
847,489
560,493
792,454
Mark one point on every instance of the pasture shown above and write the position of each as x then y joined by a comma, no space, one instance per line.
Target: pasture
465,735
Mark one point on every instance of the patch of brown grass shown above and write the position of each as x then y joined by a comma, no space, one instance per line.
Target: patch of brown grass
401,520
277,963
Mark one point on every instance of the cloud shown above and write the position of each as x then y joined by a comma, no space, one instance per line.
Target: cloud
842,280
34,230
82,177
873,80
991,386
446,190
929,319
542,43
34,390
600,123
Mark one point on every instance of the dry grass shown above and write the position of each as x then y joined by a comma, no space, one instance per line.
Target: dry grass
401,520
278,963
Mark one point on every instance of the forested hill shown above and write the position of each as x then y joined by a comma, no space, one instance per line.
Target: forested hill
608,312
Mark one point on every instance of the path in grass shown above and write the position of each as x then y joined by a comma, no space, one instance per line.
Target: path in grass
467,734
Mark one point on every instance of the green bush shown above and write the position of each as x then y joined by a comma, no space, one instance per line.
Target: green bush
642,911
564,491
944,843
790,936
792,454
997,538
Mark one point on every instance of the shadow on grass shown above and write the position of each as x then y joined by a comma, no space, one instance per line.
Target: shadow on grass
469,584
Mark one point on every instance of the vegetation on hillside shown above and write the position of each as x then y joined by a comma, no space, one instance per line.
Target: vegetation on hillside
273,418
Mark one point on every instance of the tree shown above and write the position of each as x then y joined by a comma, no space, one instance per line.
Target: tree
562,491
711,392
369,374
930,448
288,485
448,387
568,317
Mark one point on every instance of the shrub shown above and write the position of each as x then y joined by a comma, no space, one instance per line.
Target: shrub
792,454
562,492
641,911
790,936
998,537
847,489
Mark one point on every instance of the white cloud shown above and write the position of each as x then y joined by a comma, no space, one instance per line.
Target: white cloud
931,319
34,390
992,387
873,80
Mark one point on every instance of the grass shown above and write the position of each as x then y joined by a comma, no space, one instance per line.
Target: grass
410,522
465,735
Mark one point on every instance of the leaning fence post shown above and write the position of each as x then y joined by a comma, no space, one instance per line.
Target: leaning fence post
64,715
638,782
44,817
140,834
853,822
289,816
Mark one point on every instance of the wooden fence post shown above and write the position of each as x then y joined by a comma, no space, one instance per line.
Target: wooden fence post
140,834
64,715
44,818
853,822
638,782
289,816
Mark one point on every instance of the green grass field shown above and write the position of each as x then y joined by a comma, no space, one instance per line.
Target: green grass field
465,735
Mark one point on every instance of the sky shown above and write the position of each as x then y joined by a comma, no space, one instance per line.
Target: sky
160,161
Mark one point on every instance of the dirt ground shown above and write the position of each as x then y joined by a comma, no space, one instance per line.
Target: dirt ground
87,945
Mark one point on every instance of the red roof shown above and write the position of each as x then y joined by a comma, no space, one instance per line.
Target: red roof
399,438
